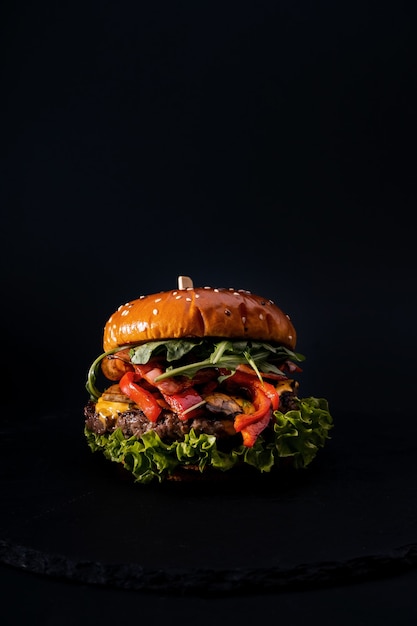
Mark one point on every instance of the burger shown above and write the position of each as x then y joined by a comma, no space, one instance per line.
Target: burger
200,382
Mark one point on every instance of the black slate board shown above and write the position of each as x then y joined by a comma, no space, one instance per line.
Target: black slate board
69,514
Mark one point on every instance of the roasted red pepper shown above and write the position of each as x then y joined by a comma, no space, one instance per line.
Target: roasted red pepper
270,391
143,398
262,405
265,399
178,394
182,402
250,433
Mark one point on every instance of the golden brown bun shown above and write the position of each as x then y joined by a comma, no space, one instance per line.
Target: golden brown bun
198,312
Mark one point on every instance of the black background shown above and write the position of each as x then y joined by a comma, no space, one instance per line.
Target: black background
259,145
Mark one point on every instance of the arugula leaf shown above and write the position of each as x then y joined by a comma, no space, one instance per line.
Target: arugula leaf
90,385
261,356
230,354
175,350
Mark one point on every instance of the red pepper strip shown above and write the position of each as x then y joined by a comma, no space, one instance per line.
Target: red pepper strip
150,371
252,383
262,406
271,392
250,433
179,395
181,402
263,396
143,398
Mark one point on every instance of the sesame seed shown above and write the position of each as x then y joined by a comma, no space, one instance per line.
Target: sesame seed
207,287
261,316
178,297
188,299
197,295
155,311
125,312
174,293
157,300
216,290
227,312
289,336
244,320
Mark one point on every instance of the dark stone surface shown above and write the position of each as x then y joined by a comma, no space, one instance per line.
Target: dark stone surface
70,515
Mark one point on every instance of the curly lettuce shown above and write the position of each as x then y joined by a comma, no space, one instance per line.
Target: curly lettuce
297,435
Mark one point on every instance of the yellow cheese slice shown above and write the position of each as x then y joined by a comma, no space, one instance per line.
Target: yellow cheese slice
107,408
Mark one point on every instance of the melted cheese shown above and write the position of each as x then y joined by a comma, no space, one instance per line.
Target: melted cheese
284,385
108,408
246,406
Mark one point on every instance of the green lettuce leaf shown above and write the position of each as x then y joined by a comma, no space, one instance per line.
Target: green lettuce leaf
297,434
300,433
173,350
262,357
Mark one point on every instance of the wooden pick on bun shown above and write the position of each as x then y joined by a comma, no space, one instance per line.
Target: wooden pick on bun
200,381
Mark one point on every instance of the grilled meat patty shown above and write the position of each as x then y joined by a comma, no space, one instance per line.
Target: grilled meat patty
216,419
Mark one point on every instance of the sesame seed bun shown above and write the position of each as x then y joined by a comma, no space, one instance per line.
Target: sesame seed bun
198,312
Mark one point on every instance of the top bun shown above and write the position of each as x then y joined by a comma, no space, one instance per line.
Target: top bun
189,312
